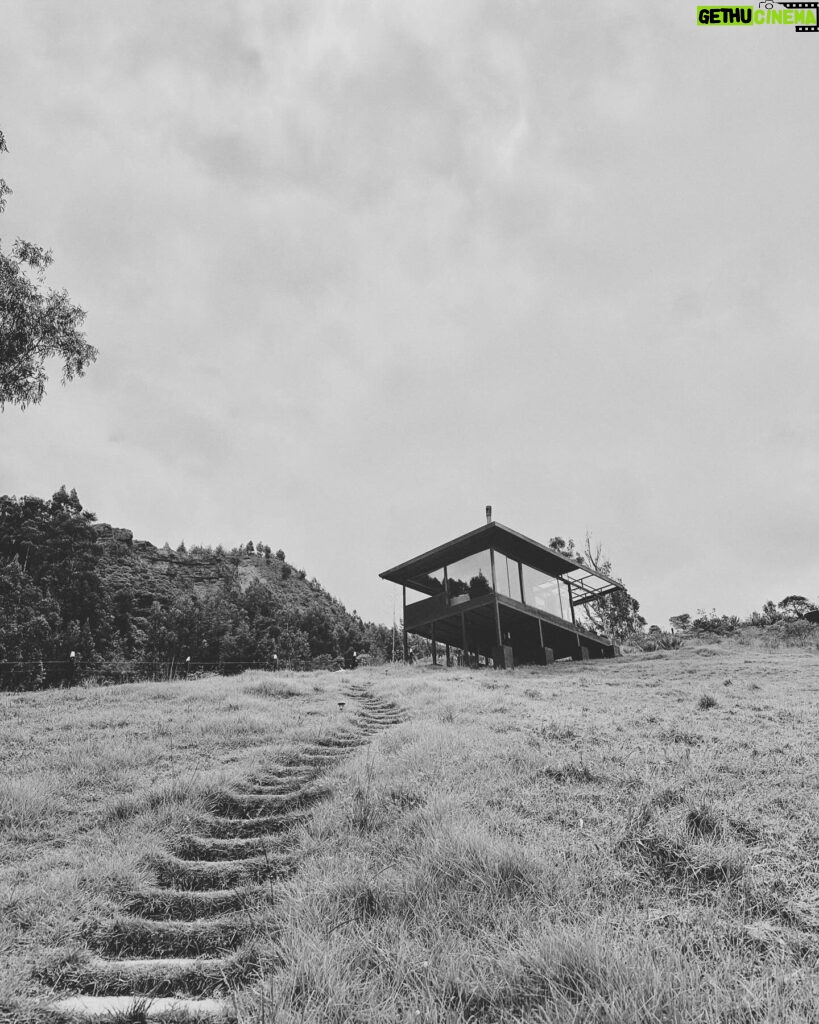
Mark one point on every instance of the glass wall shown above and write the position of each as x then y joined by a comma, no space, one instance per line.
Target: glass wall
429,582
507,576
471,576
546,593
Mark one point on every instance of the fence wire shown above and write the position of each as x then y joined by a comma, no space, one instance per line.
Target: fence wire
36,674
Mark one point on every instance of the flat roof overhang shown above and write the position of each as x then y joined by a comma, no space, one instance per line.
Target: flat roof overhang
587,584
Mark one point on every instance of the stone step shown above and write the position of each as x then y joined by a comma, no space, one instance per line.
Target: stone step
165,1007
231,803
151,976
210,848
126,936
177,873
235,828
165,904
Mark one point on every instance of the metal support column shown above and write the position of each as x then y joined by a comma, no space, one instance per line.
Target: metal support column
574,620
404,624
498,634
434,647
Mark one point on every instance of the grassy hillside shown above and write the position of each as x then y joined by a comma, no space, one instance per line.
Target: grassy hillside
630,840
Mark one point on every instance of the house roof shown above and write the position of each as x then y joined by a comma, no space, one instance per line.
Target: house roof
587,583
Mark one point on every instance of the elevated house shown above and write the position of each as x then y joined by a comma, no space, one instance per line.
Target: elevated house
496,594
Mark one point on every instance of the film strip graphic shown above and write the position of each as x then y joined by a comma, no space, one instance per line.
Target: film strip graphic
800,7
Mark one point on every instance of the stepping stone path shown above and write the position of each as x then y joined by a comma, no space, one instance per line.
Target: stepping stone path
176,949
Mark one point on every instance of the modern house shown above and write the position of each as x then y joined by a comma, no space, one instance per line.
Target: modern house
494,593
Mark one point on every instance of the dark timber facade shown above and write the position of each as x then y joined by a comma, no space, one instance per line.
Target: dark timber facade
494,593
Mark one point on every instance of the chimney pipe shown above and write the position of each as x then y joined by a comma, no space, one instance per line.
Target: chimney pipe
489,513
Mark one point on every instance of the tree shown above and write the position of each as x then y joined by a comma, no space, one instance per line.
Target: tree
35,325
65,587
567,548
294,645
795,606
479,585
617,613
29,628
770,614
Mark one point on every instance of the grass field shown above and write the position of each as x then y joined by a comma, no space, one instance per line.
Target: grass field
631,840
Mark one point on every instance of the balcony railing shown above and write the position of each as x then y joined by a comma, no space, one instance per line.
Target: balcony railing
419,612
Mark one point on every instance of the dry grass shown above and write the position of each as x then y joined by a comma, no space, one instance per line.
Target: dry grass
97,784
588,842
582,843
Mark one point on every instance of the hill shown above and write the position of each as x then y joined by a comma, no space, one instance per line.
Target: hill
126,607
627,840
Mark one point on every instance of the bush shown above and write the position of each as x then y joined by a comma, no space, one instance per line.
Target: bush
798,633
710,622
655,641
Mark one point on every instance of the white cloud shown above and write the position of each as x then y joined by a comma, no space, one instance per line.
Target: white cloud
356,269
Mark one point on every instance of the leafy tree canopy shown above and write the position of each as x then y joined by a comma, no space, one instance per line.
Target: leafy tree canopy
796,606
615,614
68,585
35,324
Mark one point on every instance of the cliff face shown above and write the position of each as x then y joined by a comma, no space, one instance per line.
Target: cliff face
161,574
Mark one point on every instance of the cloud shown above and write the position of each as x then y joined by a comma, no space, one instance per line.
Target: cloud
355,270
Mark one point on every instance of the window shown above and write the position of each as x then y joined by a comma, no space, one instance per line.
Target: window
546,593
428,582
507,576
472,576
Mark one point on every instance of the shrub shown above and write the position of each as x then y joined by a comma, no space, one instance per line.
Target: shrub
710,622
655,641
793,633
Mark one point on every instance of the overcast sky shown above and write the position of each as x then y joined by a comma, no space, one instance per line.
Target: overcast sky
357,269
